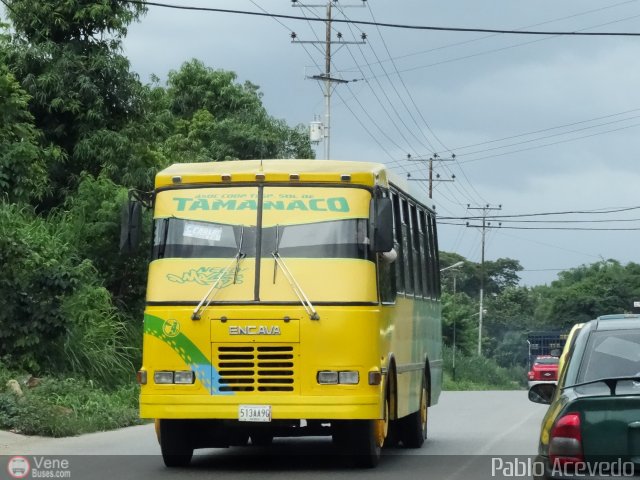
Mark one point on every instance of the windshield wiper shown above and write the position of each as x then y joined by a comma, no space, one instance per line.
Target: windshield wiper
295,286
196,315
275,264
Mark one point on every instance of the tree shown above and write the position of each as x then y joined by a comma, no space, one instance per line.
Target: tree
510,315
23,160
458,310
219,119
499,275
66,56
586,292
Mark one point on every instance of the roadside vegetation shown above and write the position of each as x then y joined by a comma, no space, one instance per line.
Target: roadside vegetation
480,373
64,406
511,311
78,130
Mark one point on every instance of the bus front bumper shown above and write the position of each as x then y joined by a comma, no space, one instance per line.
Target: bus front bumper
167,406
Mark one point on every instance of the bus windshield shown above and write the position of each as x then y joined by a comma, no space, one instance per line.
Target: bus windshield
322,233
183,238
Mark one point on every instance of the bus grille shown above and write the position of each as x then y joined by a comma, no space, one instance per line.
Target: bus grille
251,368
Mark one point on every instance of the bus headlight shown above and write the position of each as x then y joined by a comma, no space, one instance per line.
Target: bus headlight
349,377
163,376
333,377
327,377
183,376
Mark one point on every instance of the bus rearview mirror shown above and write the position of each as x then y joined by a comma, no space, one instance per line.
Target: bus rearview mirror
383,225
130,226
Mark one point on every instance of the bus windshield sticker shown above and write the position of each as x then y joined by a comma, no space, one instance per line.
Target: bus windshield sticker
203,232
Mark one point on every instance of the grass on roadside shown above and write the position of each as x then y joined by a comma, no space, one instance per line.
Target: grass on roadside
64,407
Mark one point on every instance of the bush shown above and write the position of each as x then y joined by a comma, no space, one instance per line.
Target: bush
38,272
56,317
95,344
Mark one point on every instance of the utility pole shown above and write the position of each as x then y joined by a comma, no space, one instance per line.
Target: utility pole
326,77
454,328
453,268
431,179
485,211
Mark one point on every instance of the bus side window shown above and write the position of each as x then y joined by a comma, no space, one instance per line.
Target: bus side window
397,236
433,249
407,248
416,257
427,287
387,275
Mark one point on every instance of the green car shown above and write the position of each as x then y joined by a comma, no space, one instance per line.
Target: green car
592,427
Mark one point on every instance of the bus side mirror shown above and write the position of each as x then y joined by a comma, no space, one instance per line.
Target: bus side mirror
130,226
383,225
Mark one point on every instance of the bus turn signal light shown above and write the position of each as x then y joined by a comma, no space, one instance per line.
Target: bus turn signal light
375,378
141,376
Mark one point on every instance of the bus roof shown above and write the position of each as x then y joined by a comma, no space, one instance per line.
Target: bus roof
274,170
308,171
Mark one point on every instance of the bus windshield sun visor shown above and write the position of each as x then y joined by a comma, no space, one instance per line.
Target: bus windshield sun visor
197,314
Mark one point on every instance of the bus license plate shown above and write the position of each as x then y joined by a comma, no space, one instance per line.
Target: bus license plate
254,413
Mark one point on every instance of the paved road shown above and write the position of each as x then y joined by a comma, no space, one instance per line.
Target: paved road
465,430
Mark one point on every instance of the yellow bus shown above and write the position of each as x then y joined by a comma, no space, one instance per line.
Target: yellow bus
290,298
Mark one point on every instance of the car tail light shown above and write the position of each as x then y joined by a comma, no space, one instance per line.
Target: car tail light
532,376
565,444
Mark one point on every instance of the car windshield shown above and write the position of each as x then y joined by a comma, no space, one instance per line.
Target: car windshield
611,354
547,361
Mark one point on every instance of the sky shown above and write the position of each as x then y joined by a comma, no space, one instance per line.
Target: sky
538,124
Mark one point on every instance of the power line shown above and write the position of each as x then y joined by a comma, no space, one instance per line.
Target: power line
386,25
624,220
557,247
551,144
509,47
549,136
546,269
473,40
419,112
533,132
408,93
572,229
567,212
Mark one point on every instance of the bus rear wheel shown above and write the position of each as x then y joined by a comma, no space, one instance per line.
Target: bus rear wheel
413,429
175,444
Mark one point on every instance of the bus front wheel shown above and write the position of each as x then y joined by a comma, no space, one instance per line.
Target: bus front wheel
175,444
365,442
261,439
